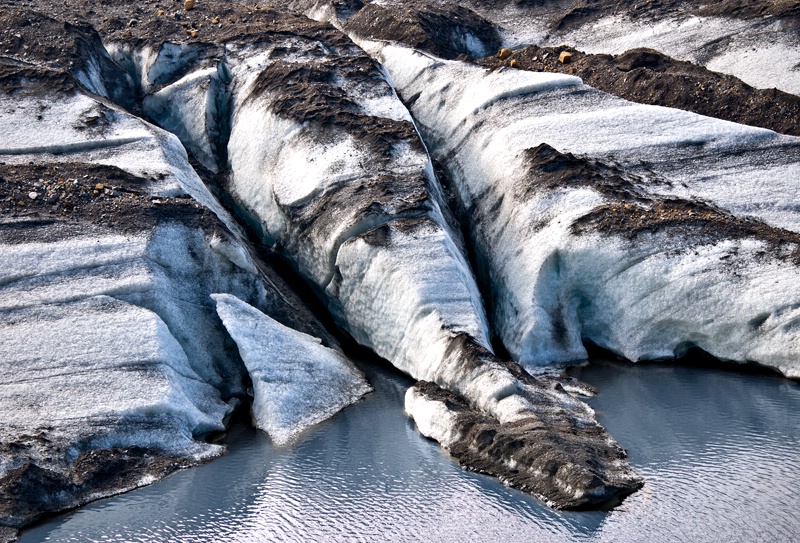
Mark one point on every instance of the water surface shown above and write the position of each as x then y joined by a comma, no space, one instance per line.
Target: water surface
720,452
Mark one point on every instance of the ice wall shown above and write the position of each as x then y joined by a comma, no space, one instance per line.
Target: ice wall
119,368
645,230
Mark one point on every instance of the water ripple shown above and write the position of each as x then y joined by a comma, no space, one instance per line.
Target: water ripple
720,453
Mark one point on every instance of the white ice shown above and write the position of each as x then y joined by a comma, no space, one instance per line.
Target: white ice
190,109
297,382
651,299
103,369
432,418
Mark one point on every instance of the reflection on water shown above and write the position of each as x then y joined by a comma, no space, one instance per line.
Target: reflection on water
720,452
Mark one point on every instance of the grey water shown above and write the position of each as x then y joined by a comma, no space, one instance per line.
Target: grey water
720,452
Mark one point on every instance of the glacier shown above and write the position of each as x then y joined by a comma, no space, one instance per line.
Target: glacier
607,226
348,193
181,196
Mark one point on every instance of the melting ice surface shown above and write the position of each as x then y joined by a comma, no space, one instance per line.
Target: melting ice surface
720,452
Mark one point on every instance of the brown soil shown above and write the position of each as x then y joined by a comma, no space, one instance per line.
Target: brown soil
153,22
103,196
649,77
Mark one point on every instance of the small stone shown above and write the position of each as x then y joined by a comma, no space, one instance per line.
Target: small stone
215,21
33,195
99,186
514,63
504,53
565,57
188,4
161,13
192,32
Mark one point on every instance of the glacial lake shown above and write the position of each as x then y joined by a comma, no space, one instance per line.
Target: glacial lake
720,452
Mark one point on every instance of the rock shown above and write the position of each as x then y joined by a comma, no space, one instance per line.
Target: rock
188,4
565,57
503,53
513,63
33,195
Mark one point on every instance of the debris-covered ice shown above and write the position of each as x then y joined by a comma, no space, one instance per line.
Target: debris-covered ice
646,230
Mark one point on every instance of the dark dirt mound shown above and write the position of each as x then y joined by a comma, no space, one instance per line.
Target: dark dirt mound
103,196
649,77
548,452
443,30
310,92
29,491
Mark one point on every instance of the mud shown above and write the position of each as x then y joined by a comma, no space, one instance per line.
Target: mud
649,77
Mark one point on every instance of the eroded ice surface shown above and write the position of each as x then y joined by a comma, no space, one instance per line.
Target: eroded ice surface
347,191
617,244
118,366
297,381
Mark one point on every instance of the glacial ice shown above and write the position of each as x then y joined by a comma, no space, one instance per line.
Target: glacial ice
646,298
370,231
114,351
192,109
325,159
297,382
102,362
